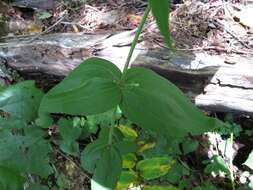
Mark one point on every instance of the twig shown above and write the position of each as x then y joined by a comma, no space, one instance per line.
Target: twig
76,23
49,28
72,161
219,25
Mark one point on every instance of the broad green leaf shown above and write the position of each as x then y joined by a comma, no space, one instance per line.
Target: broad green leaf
176,172
103,160
67,131
69,147
160,10
36,186
103,119
21,100
154,167
92,154
69,134
160,188
97,186
11,123
126,146
44,120
108,168
10,179
127,179
249,161
154,103
21,152
91,88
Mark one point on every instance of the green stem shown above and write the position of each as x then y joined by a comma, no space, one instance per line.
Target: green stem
134,43
136,37
110,138
231,164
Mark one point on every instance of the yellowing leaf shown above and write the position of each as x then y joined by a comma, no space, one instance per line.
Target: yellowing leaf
155,167
127,131
127,179
145,146
129,161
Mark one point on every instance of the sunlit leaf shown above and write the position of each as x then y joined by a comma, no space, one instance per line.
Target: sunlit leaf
145,145
127,179
128,132
154,167
249,161
129,160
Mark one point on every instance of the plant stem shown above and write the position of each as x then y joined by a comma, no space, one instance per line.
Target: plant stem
231,164
110,138
129,56
136,37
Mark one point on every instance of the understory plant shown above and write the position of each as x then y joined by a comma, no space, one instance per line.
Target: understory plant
149,102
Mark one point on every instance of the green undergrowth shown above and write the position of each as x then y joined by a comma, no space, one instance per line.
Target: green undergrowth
119,129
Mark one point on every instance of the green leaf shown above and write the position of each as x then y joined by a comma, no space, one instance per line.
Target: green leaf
21,100
129,160
69,147
126,146
154,167
108,168
21,152
160,11
103,160
176,172
69,134
154,103
91,88
11,123
160,188
67,131
36,186
249,161
189,145
92,154
128,132
103,119
127,178
10,179
216,165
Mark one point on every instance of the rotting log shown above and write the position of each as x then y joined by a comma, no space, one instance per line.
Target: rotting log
210,82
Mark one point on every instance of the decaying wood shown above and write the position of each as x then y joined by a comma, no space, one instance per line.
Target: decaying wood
208,80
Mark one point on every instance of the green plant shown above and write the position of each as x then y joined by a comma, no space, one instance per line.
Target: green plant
145,98
94,89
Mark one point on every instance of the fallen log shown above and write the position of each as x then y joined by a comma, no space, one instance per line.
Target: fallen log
210,82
